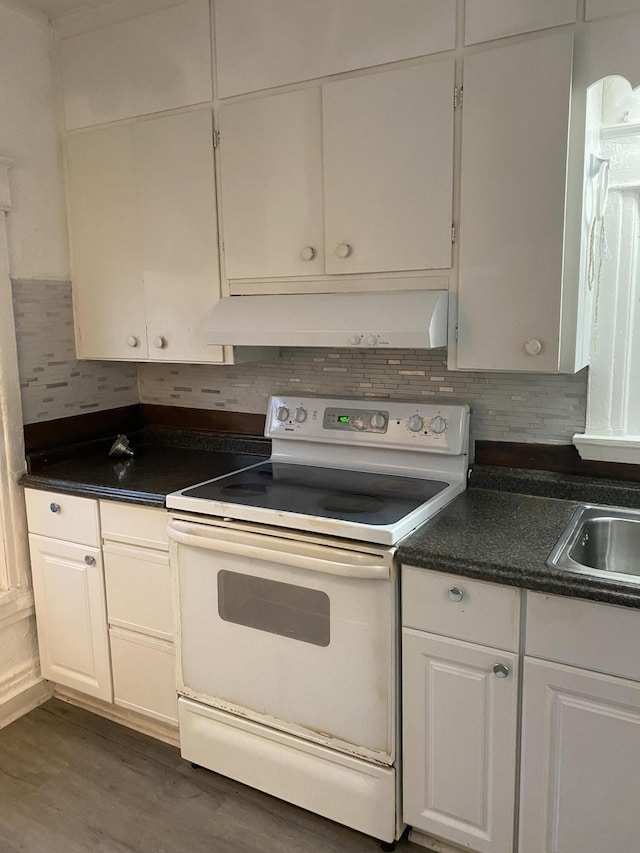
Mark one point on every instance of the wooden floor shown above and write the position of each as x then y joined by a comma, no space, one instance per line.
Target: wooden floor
72,782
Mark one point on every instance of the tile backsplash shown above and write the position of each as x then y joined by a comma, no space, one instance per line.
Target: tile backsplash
505,406
54,384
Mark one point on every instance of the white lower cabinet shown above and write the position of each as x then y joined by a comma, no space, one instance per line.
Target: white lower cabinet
580,761
71,617
139,609
104,615
581,727
460,710
460,722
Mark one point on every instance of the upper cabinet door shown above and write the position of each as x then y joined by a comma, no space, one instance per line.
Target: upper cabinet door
260,45
105,245
154,62
514,170
271,173
176,191
388,166
493,19
603,8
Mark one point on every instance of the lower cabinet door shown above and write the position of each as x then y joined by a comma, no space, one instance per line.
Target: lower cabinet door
580,788
68,587
460,734
144,675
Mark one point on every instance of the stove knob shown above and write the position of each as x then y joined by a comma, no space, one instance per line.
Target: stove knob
283,413
372,340
355,339
437,425
300,415
378,420
415,423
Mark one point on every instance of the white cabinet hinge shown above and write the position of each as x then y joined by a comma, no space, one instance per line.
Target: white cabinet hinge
457,97
456,332
453,232
216,138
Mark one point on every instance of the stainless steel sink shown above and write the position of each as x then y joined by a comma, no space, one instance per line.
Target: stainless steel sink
600,541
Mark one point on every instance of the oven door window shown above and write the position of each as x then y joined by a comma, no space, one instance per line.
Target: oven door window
279,608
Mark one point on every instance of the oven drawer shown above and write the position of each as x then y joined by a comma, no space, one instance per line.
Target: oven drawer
338,786
464,609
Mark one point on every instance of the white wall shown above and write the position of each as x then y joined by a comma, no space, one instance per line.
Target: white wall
38,245
36,248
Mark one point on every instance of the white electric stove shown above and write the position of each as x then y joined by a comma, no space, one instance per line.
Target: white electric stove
287,601
371,471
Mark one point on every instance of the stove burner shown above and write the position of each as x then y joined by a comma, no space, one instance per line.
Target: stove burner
351,504
245,489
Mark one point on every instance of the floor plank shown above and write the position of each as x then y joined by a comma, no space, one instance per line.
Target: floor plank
73,782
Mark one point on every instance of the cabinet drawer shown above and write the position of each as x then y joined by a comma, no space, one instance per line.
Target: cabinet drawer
138,590
594,636
144,675
485,613
61,516
139,525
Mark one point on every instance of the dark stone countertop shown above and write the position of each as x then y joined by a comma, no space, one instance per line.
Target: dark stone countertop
501,529
506,536
163,462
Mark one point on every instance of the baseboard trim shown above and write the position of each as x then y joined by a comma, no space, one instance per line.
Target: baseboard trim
26,700
132,720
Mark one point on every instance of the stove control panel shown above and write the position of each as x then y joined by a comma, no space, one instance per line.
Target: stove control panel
346,418
384,423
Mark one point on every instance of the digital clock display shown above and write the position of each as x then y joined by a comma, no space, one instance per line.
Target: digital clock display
344,419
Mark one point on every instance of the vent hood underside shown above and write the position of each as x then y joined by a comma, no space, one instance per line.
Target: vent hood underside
413,319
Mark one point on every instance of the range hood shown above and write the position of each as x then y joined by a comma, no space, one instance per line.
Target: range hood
413,319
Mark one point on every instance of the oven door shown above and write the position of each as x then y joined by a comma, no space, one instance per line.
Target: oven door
294,632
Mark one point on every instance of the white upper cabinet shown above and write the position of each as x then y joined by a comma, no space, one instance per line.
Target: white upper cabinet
388,166
603,8
143,229
271,167
368,161
105,245
517,304
154,62
493,19
260,45
178,226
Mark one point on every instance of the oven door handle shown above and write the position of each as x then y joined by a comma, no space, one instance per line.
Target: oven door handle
296,553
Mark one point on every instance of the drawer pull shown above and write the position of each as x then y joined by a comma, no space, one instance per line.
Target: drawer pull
500,670
54,507
89,560
455,593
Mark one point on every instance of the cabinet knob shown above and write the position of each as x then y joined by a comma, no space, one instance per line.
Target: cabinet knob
533,347
455,593
308,253
89,560
343,250
54,507
132,341
159,342
500,670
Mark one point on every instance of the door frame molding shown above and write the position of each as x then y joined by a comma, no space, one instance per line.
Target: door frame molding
14,553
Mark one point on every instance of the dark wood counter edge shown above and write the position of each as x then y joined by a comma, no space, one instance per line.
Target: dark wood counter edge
560,458
240,423
91,426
